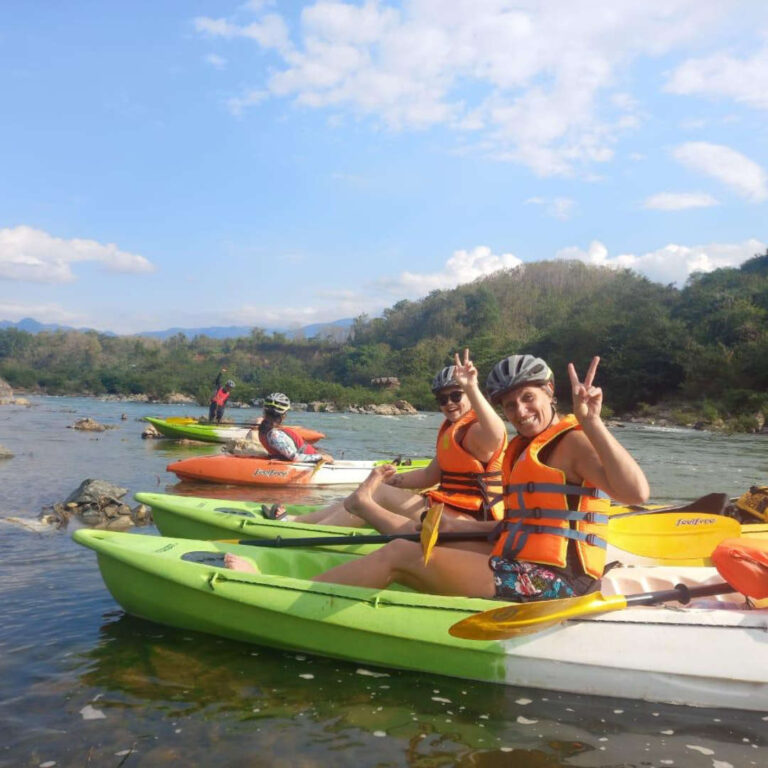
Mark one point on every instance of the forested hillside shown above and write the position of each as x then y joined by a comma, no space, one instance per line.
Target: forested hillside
706,344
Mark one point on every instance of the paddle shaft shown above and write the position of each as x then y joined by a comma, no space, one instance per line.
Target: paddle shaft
679,592
379,538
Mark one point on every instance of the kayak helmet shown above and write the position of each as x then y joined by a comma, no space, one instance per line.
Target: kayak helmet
230,384
276,404
445,378
514,371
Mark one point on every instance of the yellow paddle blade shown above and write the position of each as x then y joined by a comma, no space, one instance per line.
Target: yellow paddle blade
317,467
181,420
429,530
671,535
526,618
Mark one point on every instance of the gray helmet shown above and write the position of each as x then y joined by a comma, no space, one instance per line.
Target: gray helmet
277,402
514,371
445,378
230,383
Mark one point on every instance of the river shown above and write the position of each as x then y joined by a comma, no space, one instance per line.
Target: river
85,685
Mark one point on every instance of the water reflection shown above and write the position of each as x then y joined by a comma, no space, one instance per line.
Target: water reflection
228,695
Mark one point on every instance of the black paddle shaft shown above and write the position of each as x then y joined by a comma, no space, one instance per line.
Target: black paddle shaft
679,592
380,538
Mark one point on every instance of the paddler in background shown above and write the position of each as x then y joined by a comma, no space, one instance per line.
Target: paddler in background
465,474
550,543
283,443
219,398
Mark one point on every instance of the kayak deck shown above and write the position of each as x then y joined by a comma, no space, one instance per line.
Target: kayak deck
642,652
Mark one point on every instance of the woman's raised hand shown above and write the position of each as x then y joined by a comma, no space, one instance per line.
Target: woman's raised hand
465,371
587,400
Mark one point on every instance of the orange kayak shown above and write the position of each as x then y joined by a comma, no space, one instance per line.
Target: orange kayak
255,470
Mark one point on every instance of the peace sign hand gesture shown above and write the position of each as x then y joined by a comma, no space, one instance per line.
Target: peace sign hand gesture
587,400
465,372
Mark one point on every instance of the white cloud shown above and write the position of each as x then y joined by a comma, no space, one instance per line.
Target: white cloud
462,267
672,263
269,32
744,80
238,104
216,61
679,201
538,83
28,254
726,165
326,305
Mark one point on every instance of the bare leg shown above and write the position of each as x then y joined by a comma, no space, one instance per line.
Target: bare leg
395,500
449,571
237,563
363,503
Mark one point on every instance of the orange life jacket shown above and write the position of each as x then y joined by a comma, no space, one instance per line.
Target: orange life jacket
465,482
301,444
220,397
537,519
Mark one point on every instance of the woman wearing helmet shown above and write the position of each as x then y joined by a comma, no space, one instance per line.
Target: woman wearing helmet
465,474
549,544
282,442
219,398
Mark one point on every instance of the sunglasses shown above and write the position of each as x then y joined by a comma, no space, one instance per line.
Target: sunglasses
453,397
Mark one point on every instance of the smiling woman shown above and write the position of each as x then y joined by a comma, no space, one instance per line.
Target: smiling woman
550,542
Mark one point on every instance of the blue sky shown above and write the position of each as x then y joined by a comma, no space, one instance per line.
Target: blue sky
193,163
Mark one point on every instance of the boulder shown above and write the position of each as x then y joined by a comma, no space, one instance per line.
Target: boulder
88,424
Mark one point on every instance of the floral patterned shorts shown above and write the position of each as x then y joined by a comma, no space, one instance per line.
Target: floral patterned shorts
523,582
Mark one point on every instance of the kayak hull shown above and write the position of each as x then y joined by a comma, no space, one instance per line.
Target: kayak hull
642,652
216,433
191,517
255,470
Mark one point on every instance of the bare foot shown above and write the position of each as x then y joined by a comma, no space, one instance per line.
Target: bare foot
358,500
237,563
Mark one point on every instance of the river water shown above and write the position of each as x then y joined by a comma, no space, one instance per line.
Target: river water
85,685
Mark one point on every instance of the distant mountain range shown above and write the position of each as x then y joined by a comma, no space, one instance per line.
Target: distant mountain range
338,329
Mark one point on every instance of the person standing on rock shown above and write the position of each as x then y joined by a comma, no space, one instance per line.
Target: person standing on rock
219,398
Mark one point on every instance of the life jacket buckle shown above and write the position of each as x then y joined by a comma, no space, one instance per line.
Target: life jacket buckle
530,487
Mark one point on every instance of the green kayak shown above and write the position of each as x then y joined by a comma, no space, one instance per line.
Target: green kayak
643,652
191,517
205,432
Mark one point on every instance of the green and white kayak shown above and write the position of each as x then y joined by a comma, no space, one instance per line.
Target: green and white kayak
192,517
189,429
712,653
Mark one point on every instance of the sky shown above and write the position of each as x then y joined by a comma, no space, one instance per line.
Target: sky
189,163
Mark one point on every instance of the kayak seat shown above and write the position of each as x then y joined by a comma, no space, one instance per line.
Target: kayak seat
273,512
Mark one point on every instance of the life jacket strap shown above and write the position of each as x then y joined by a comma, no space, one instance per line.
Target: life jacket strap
568,490
512,550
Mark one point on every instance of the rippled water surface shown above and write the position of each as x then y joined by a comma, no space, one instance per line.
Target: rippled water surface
85,685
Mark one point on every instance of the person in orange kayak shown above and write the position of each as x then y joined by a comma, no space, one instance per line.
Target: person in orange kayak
282,442
219,398
465,474
550,543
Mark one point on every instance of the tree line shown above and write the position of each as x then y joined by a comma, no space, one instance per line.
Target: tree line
704,346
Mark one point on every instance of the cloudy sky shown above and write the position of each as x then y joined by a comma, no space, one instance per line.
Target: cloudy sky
206,162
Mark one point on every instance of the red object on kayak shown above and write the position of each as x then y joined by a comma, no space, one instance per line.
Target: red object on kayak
743,563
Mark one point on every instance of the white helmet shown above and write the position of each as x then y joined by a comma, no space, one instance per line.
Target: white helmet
277,403
514,371
445,378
